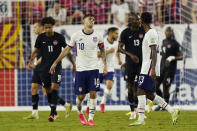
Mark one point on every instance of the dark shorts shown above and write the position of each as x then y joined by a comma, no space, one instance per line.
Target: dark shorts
109,76
48,78
145,82
36,77
131,72
86,81
166,77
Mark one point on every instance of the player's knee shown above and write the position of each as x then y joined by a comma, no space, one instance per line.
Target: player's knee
109,84
92,94
34,89
80,97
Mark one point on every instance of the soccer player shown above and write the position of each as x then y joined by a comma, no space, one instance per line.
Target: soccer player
149,71
111,48
87,42
171,52
50,44
132,38
36,82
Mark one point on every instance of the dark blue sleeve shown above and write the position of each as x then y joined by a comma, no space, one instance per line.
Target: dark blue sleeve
38,42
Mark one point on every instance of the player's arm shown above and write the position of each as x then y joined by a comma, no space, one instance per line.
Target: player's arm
33,56
38,61
118,57
154,60
111,50
122,50
103,56
70,57
60,57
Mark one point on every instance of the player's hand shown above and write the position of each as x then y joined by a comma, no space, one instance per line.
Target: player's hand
153,74
99,54
74,68
105,70
167,63
120,62
134,58
52,69
30,65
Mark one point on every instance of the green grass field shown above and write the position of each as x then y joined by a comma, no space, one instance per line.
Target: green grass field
109,121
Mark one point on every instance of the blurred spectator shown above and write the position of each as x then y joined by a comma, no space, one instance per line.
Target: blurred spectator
67,3
36,11
49,4
58,13
133,5
120,12
153,7
171,11
101,10
188,11
77,11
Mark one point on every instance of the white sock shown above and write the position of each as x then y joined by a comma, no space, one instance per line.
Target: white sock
35,112
92,107
66,105
88,99
141,107
79,105
161,102
106,95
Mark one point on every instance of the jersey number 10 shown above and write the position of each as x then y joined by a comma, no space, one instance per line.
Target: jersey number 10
81,46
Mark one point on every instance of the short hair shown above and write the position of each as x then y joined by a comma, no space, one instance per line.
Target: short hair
48,20
111,29
88,15
146,18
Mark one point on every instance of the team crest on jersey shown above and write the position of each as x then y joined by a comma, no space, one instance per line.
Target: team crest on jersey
95,39
141,36
55,42
169,46
80,89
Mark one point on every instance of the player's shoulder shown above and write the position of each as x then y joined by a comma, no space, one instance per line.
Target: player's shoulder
42,35
126,30
56,34
152,32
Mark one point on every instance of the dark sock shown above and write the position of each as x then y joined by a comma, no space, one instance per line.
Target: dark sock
35,99
131,101
54,97
60,100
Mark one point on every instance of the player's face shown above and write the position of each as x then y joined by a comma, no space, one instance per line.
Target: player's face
134,21
48,28
36,28
115,35
169,33
89,22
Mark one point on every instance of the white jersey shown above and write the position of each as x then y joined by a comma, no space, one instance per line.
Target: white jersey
150,39
86,49
110,58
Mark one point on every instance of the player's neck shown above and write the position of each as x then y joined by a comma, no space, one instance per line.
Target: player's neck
88,30
110,40
49,34
146,28
134,28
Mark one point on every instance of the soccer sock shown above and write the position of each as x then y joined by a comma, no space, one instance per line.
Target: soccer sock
79,106
92,108
60,100
54,97
88,99
141,107
160,101
35,99
131,101
107,93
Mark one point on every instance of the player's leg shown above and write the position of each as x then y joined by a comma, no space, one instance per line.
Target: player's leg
107,91
81,90
93,86
35,86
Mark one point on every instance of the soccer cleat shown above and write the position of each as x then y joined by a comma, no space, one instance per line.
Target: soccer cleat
102,107
133,115
150,106
175,116
51,118
87,110
68,110
56,116
31,116
82,119
128,114
137,123
91,123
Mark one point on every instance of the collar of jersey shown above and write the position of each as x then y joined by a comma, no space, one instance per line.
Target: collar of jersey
86,33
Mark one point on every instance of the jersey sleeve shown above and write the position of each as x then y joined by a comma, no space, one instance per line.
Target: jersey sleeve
123,37
113,9
178,47
38,42
153,38
63,41
72,41
100,42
